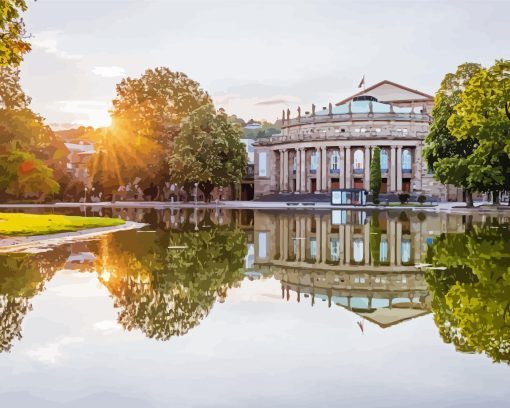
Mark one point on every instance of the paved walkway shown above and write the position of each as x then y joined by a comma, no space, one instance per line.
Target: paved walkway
308,204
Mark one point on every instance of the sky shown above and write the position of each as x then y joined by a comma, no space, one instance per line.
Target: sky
255,58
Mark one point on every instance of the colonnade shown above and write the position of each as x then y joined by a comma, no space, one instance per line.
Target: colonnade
346,175
298,242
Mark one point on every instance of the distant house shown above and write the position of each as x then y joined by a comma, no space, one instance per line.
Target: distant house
78,160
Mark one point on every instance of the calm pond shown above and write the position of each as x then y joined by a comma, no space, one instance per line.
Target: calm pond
217,308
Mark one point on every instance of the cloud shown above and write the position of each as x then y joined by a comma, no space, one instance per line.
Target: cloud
86,112
109,72
273,102
48,41
52,352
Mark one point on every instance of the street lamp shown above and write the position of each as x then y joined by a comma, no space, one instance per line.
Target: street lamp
85,196
196,193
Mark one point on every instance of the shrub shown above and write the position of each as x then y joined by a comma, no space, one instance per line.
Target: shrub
403,197
421,199
376,201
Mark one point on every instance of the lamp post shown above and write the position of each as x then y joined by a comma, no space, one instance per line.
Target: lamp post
196,193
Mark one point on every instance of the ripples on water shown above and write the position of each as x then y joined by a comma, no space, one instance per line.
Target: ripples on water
332,291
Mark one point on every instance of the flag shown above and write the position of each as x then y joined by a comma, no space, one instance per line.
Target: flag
362,82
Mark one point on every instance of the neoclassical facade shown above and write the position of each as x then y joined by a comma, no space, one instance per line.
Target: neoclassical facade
332,147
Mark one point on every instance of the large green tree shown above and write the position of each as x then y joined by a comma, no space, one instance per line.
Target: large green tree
482,114
165,292
146,115
13,39
471,297
443,151
208,151
27,143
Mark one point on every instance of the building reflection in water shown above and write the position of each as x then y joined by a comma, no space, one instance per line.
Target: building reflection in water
366,263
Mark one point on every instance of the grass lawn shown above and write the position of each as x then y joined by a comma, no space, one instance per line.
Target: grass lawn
20,224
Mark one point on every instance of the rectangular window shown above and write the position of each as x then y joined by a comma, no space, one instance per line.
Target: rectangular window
313,248
262,244
313,161
263,164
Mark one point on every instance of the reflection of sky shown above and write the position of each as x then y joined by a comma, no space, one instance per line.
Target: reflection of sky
254,350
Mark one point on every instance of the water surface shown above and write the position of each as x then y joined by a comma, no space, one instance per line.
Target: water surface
256,308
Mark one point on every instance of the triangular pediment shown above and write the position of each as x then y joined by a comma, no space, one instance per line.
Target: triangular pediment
387,91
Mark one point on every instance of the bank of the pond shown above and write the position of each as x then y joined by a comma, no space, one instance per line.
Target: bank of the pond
42,242
21,224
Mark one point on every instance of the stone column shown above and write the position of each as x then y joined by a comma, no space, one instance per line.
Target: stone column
280,187
348,167
324,238
324,170
393,164
286,170
418,167
348,244
341,242
391,237
297,244
399,243
399,168
285,238
318,238
366,244
302,242
303,170
318,172
342,166
280,238
367,168
298,170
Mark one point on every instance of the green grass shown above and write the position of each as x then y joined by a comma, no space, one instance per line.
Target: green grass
20,224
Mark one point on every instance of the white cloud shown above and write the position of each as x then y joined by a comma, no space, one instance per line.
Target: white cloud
109,72
48,41
52,352
87,112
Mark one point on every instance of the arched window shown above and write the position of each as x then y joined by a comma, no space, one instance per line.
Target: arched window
384,161
335,162
406,161
313,162
357,249
358,161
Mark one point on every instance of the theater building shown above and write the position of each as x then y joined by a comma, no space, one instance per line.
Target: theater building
331,147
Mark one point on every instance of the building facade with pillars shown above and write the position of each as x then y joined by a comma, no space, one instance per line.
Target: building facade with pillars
332,147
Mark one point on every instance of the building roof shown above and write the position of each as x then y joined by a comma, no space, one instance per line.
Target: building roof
406,94
80,148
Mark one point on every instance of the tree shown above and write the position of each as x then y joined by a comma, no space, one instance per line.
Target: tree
440,145
471,298
375,174
22,277
208,151
13,43
165,292
23,131
482,114
11,94
22,174
148,110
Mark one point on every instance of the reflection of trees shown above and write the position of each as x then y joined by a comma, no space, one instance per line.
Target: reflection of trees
165,292
471,298
22,276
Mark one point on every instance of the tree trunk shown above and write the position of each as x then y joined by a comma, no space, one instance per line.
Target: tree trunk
206,188
469,199
495,197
